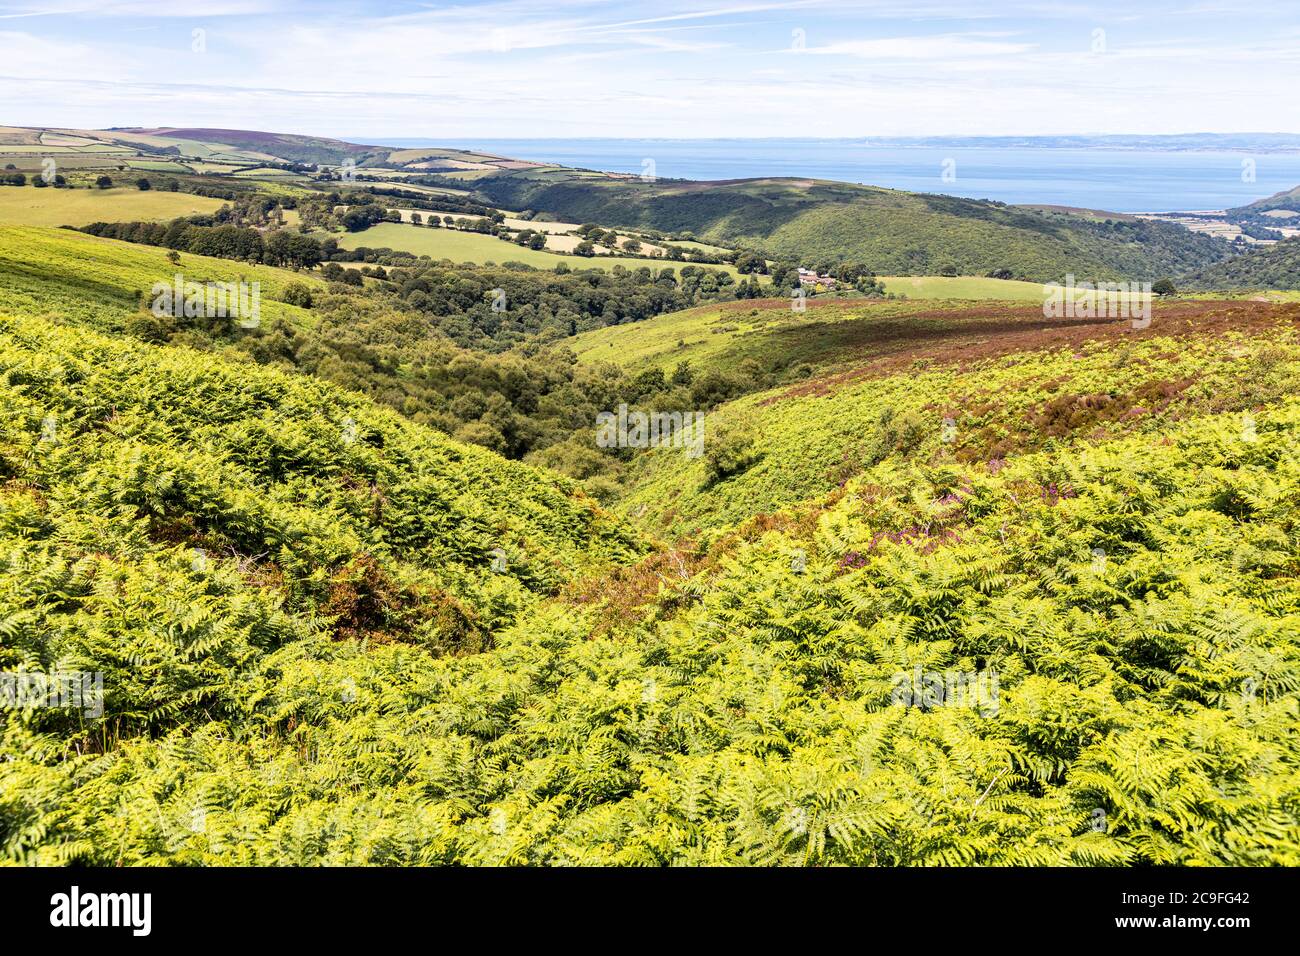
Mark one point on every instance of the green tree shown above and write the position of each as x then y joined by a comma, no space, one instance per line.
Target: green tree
729,451
297,293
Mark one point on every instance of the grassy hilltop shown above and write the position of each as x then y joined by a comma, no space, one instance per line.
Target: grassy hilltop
893,232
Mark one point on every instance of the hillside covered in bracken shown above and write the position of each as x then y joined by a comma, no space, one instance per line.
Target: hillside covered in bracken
949,585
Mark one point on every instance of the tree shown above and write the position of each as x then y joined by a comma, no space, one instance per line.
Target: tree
143,184
103,182
297,293
730,451
1164,287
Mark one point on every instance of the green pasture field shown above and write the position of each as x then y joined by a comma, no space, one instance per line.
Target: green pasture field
442,243
963,287
29,206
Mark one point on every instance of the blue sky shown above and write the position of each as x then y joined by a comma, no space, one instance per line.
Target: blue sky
529,68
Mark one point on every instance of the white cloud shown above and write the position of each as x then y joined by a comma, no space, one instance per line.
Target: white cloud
585,67
921,48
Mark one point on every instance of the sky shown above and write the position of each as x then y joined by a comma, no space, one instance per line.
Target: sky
666,68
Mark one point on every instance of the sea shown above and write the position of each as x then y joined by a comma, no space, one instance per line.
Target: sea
1116,180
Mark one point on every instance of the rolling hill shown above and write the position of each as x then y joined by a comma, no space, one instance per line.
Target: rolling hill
103,284
950,584
289,147
1009,382
479,248
1261,268
892,232
1287,200
308,657
807,221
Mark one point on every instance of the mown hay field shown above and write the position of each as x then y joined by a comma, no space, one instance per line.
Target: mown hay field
29,206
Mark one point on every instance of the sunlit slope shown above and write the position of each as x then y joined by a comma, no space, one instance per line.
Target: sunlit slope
780,334
1129,620
891,231
1026,385
69,276
131,453
769,331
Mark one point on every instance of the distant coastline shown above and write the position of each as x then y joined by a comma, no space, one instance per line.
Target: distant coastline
1119,173
1181,142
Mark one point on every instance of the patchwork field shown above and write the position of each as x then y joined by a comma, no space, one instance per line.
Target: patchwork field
963,287
460,246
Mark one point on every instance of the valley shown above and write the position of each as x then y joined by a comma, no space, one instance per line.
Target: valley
365,587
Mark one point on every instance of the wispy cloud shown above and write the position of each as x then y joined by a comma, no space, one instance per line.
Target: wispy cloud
590,67
921,48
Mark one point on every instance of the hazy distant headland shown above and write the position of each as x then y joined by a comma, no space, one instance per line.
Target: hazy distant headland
1129,173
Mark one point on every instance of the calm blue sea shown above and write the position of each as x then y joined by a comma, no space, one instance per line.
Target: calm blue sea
1120,180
